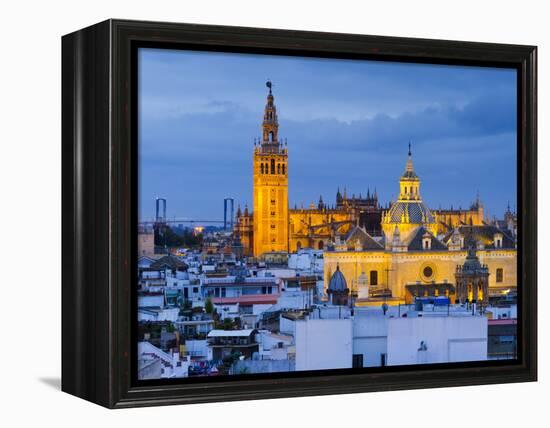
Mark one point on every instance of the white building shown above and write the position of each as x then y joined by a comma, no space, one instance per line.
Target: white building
158,314
197,349
274,346
173,365
437,339
331,336
198,324
370,337
323,344
306,260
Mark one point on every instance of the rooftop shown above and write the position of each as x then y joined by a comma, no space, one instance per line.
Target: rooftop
230,333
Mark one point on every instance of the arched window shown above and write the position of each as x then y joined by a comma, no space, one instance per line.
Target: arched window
373,277
500,274
262,168
284,169
278,168
298,245
272,166
320,245
271,136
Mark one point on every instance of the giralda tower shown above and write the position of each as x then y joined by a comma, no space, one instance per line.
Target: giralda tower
270,185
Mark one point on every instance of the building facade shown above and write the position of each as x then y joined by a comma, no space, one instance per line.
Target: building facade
411,259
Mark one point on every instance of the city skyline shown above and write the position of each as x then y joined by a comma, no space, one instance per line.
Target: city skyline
348,124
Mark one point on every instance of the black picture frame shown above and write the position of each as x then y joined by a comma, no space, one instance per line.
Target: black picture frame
99,211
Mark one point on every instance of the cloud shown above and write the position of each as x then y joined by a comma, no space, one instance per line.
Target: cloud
347,123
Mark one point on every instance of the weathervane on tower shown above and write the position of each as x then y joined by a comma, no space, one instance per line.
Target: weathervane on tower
269,85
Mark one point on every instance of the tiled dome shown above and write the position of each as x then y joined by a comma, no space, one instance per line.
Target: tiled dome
415,211
337,281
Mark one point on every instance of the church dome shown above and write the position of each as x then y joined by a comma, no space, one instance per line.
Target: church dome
337,281
415,212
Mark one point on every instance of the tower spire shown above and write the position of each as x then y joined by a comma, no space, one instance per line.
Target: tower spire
270,126
409,168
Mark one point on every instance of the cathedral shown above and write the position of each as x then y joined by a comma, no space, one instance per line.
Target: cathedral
422,254
273,226
390,254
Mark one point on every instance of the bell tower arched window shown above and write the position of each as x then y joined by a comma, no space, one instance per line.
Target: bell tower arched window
278,168
262,168
272,166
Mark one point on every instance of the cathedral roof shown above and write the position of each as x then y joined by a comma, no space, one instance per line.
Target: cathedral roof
337,281
483,234
168,262
366,241
415,244
415,211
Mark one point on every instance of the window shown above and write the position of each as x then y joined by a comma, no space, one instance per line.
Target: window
278,168
271,137
428,271
500,274
373,277
320,245
357,361
284,169
195,289
506,339
262,168
272,166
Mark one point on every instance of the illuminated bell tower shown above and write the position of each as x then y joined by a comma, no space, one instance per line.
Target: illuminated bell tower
270,185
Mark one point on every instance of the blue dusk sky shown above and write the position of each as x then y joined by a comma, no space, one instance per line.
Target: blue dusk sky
347,122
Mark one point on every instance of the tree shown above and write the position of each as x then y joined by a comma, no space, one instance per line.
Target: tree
169,238
237,322
208,306
228,324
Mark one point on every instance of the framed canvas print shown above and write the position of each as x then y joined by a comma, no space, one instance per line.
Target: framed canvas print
253,213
